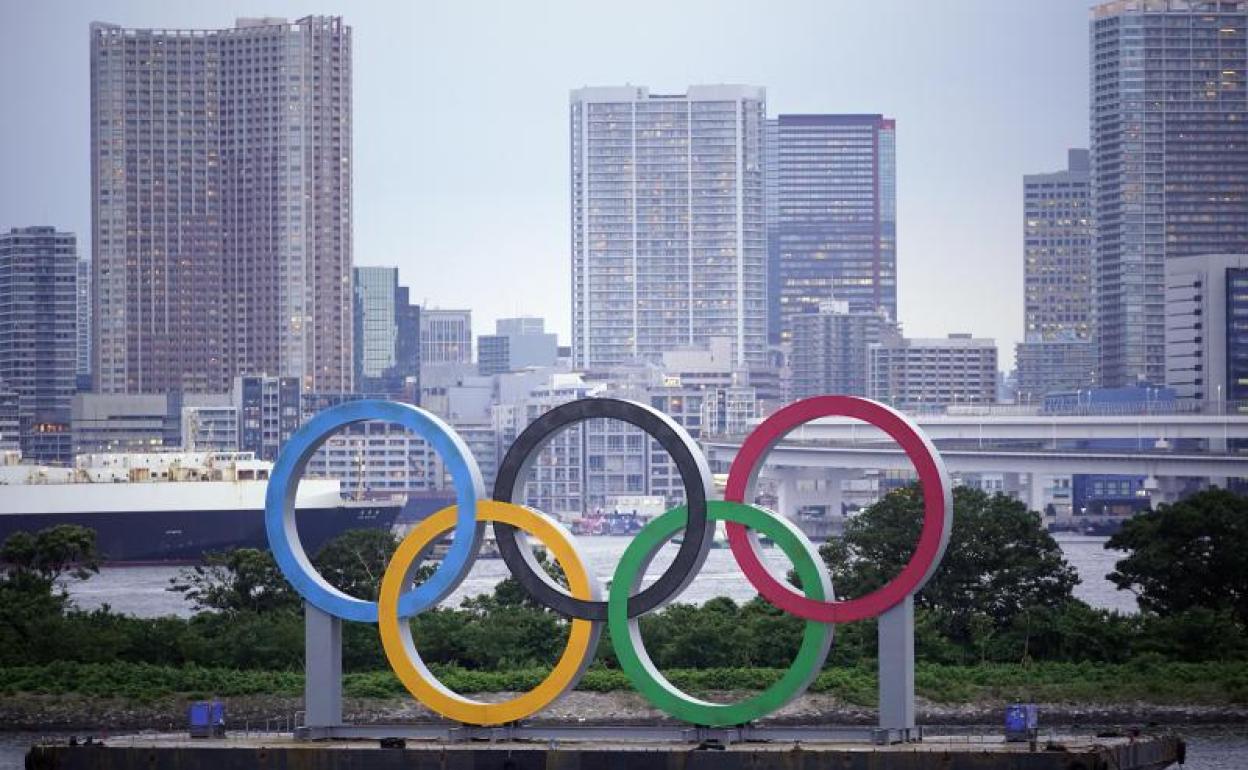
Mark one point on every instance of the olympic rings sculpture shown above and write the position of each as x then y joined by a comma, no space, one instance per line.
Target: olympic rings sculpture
585,602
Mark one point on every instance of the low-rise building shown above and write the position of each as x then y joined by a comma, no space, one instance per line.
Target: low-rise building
517,343
210,428
124,422
921,373
829,352
1048,366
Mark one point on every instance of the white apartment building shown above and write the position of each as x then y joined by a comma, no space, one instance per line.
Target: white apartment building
669,241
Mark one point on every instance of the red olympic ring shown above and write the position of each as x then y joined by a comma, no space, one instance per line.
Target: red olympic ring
937,507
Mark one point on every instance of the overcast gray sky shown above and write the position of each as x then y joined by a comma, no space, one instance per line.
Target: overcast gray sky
461,136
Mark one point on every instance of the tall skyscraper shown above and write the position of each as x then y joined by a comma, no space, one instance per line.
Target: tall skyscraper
38,336
668,227
1169,161
832,231
1059,350
221,205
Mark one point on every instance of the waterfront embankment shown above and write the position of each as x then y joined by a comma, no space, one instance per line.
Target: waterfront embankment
121,696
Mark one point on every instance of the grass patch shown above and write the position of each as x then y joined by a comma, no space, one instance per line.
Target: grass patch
1145,680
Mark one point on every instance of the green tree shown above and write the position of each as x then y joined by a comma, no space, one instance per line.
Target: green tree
355,561
44,557
249,580
242,580
1001,568
509,592
33,567
1192,554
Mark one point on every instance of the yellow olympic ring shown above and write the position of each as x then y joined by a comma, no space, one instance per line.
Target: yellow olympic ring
396,633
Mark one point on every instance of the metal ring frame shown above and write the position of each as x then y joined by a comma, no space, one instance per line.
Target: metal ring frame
626,601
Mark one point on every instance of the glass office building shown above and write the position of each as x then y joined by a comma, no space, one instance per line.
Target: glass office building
1058,352
832,205
376,292
387,335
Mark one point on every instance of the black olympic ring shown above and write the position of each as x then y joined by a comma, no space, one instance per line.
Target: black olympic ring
694,475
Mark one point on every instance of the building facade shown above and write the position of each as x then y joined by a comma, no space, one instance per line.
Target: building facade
125,422
376,328
387,335
830,349
210,428
10,422
1169,161
445,336
1053,366
39,335
1058,351
1058,295
403,379
269,410
1207,330
916,374
517,343
668,223
833,227
221,205
82,366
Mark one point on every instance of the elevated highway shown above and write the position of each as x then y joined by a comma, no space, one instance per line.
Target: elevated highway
790,454
989,428
809,464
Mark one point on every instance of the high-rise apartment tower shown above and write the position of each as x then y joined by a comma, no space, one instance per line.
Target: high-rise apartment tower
1169,86
221,205
668,229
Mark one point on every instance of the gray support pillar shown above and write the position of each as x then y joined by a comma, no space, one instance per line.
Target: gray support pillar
786,495
322,668
1036,491
896,635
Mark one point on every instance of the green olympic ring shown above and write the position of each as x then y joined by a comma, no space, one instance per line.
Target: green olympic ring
626,633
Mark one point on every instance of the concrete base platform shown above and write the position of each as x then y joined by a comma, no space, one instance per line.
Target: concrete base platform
284,752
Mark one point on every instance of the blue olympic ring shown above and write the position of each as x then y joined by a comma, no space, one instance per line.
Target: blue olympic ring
279,508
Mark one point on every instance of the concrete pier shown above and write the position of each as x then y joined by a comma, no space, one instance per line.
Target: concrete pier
283,752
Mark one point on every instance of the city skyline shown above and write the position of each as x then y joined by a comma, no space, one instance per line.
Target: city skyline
957,179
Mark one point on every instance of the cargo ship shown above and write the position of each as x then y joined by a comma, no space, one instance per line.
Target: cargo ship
173,506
